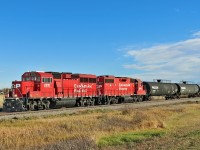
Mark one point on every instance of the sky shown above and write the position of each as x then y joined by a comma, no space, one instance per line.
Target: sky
143,39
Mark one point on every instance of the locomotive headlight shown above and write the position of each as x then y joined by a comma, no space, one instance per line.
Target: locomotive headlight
15,95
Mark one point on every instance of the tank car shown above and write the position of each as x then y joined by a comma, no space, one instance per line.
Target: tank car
188,90
168,90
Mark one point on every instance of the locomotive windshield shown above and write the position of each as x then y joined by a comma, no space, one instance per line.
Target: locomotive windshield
31,76
35,78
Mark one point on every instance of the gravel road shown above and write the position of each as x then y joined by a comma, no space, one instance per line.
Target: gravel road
15,115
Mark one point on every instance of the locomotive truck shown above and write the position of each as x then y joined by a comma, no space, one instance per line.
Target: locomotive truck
49,90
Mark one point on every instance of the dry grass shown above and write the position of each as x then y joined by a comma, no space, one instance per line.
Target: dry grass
1,100
89,128
182,132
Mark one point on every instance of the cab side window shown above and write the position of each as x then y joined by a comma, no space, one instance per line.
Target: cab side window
47,80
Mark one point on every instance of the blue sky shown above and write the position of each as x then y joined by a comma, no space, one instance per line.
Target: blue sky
138,38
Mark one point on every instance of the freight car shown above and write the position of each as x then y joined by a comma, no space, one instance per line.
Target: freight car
188,90
172,90
47,90
159,88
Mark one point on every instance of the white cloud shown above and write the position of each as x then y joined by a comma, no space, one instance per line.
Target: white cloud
196,34
174,61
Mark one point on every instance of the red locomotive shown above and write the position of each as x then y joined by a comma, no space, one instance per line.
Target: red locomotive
44,90
113,89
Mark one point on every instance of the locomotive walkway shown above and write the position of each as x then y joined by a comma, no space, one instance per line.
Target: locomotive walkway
26,114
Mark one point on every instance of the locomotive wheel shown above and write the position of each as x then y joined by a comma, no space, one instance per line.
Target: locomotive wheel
46,106
78,104
148,98
82,103
33,106
92,102
139,99
134,99
112,101
121,100
99,102
108,102
115,101
88,102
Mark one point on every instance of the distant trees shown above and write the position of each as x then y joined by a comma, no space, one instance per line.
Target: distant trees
4,91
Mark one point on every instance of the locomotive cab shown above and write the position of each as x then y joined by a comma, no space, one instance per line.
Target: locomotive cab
31,93
32,84
139,87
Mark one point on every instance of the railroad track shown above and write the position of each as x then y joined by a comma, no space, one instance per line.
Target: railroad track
18,115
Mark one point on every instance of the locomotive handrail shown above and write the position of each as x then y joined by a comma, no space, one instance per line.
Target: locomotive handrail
20,92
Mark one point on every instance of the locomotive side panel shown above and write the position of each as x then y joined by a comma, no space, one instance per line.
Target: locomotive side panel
85,85
115,86
125,86
106,85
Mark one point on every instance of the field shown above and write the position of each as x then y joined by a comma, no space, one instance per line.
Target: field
162,127
1,100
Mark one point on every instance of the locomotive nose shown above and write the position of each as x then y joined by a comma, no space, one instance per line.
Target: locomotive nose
13,104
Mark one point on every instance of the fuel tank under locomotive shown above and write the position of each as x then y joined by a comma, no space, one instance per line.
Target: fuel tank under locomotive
188,90
59,103
169,90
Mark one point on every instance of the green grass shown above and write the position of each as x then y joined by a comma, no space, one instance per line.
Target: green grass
194,134
121,139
